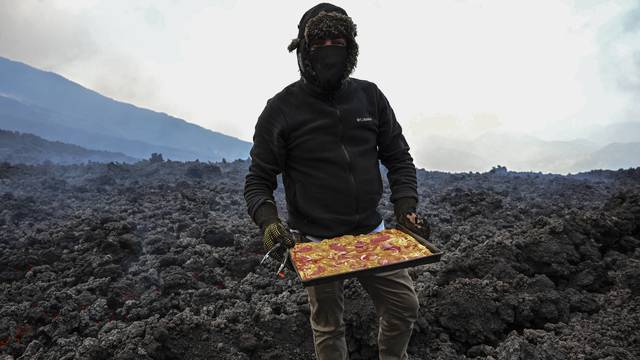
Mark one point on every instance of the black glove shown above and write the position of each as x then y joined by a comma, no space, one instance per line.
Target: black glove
405,211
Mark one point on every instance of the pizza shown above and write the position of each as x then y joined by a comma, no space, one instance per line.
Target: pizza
350,253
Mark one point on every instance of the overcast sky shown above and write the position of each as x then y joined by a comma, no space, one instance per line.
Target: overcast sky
453,68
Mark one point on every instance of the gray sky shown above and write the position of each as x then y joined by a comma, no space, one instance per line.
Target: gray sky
451,68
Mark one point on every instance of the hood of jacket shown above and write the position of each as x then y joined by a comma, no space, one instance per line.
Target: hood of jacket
324,21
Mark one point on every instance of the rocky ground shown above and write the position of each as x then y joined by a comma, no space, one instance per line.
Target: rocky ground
159,260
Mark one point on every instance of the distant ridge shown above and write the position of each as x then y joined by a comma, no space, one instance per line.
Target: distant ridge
55,108
23,148
528,153
614,156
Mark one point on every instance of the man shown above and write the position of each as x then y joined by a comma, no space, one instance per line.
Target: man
325,133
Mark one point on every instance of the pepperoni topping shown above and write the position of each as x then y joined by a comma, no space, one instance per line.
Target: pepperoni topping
380,238
303,259
361,250
387,246
305,248
337,247
319,270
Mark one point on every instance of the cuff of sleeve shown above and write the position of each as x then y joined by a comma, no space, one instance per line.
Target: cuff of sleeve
404,205
266,214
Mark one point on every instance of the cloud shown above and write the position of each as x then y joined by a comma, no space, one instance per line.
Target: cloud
632,19
38,32
619,41
631,33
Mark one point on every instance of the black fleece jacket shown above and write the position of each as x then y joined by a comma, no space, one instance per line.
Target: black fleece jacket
327,147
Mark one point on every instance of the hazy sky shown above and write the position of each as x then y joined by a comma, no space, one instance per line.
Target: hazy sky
453,68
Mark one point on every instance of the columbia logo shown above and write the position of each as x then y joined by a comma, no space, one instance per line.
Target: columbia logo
363,119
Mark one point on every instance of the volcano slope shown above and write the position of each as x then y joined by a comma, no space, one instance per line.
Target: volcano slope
159,260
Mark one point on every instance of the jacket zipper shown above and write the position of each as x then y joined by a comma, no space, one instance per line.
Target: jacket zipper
346,154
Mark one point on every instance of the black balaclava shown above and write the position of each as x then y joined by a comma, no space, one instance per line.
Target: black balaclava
327,66
329,63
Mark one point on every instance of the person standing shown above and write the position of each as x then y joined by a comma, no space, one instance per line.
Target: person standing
327,133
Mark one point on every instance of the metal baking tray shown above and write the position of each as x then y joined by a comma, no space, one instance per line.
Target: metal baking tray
435,256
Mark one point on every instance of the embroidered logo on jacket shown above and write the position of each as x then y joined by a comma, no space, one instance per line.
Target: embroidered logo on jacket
363,119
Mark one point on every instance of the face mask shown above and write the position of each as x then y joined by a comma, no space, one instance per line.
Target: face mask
329,62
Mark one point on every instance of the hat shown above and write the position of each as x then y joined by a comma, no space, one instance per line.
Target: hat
324,21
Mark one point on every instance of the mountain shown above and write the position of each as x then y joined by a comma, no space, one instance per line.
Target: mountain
18,116
55,108
612,156
524,152
17,147
446,154
527,153
620,132
515,151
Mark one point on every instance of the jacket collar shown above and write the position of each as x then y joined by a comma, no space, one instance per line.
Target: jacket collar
322,93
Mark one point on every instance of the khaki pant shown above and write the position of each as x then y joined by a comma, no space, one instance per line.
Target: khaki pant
396,305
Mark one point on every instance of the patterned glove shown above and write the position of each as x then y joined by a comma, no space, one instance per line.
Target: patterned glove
275,233
405,211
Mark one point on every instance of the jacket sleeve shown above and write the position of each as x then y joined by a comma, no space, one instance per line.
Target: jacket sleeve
393,152
267,159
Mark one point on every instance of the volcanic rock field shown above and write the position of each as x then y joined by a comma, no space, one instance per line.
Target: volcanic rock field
159,260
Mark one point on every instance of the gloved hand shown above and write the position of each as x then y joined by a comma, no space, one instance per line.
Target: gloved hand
273,231
405,211
276,233
276,238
